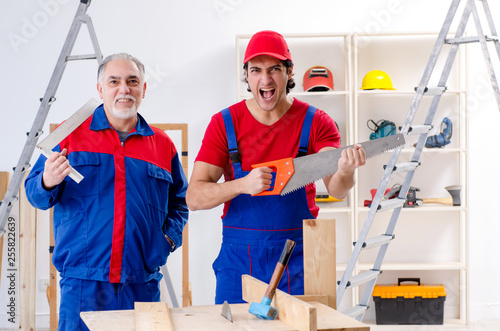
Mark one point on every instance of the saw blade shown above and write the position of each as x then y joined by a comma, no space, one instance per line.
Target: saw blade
226,312
311,168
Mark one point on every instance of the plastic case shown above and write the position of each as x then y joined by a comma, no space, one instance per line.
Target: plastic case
409,303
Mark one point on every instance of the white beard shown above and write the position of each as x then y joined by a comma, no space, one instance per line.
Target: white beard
124,113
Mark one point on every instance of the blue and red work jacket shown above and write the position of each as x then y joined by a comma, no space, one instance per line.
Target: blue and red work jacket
112,225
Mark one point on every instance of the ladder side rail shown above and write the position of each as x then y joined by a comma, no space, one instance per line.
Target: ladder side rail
411,114
491,25
486,54
366,225
93,37
417,153
430,65
23,163
435,101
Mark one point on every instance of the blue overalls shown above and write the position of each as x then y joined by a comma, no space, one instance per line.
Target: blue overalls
255,230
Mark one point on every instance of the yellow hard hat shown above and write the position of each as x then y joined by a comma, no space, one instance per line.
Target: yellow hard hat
377,79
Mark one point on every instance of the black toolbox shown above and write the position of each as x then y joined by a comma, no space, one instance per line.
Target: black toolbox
409,303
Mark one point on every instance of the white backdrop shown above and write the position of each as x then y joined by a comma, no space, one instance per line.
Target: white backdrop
188,48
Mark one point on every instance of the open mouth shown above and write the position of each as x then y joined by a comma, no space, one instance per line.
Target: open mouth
124,99
267,93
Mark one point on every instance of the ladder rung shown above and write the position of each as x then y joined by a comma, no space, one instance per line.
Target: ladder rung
377,241
81,57
404,167
437,90
51,100
363,278
26,167
355,311
37,134
418,129
391,204
467,40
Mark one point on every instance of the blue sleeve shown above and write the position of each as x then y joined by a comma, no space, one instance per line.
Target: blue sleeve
37,195
177,208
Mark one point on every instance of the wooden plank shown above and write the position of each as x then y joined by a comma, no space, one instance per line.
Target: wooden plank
321,298
192,318
203,318
4,182
109,320
27,262
186,288
319,259
53,285
298,314
331,320
152,316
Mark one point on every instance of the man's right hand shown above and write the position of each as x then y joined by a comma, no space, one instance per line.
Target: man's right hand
258,180
56,169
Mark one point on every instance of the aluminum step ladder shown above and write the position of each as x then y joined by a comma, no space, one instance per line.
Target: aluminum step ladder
23,165
381,243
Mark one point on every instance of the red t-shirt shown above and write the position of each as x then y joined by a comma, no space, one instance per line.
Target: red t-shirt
259,143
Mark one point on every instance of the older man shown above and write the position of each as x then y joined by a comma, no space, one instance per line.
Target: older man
116,228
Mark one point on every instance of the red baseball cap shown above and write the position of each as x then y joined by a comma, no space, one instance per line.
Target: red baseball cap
267,43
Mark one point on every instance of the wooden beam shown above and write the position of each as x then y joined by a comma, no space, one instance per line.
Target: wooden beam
331,320
27,262
152,316
186,288
53,285
298,314
52,288
319,259
321,298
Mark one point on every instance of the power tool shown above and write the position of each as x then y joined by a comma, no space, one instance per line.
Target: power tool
443,138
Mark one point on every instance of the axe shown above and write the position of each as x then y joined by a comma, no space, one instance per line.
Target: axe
453,200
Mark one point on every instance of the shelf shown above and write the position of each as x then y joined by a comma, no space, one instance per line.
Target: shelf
401,92
329,210
416,266
403,56
424,208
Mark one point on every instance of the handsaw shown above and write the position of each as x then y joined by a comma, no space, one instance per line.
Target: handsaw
226,312
63,130
294,173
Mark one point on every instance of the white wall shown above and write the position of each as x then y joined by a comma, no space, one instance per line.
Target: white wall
189,50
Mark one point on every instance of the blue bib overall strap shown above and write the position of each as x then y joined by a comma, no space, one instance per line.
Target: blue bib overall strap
255,229
231,140
306,129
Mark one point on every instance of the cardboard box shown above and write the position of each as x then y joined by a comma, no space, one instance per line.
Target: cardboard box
409,303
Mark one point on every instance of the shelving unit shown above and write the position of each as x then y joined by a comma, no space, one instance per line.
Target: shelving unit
431,240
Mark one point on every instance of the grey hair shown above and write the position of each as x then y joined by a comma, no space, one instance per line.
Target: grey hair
119,56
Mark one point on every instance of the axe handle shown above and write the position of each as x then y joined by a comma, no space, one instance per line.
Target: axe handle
444,201
280,267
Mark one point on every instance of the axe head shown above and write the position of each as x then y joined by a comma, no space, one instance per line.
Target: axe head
263,310
455,194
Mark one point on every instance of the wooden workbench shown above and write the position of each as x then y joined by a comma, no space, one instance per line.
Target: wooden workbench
195,318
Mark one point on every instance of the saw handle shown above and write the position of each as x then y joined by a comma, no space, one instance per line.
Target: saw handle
284,170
